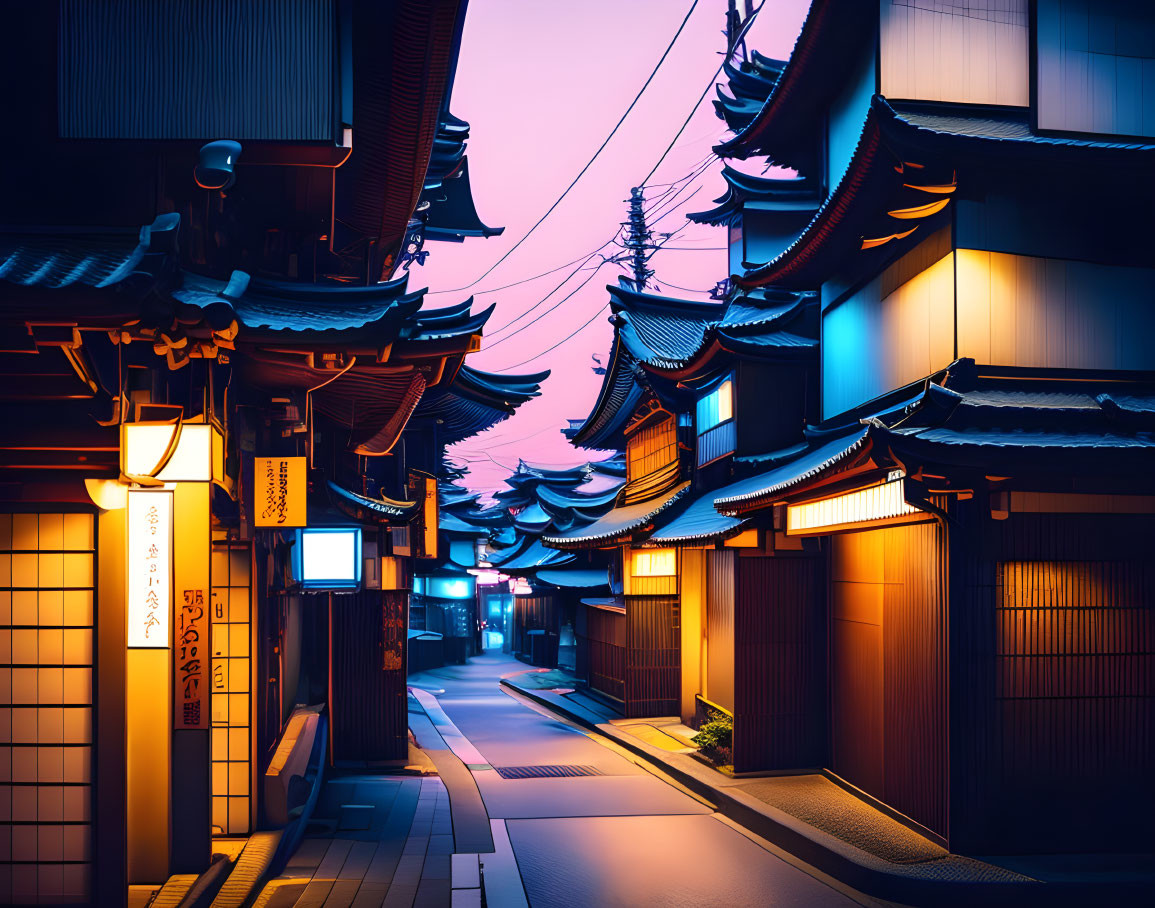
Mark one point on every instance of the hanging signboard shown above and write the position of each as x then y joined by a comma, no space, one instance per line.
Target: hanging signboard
423,530
280,491
393,607
191,709
149,568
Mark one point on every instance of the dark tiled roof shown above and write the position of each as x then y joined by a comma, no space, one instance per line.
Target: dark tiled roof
699,523
940,134
452,212
619,397
1007,127
659,330
1037,423
750,84
831,35
742,188
62,258
619,523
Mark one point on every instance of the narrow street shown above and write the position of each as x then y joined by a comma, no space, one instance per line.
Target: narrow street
618,836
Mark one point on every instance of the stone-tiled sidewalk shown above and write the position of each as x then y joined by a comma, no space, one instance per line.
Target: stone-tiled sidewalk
372,841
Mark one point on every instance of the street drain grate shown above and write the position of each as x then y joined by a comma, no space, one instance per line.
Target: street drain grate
549,771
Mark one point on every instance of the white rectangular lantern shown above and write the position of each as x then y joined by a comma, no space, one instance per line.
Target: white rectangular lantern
149,568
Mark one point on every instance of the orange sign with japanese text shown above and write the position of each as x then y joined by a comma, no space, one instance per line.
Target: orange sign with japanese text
280,491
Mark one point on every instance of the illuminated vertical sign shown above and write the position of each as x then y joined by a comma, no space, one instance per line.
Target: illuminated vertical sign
280,491
423,530
393,605
191,708
149,568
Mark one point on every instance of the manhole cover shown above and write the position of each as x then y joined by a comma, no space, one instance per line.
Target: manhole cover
552,771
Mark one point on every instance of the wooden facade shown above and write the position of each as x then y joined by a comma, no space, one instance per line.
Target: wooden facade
888,667
1053,684
779,663
604,646
653,656
366,698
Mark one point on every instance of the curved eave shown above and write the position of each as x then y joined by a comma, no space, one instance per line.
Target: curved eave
761,490
743,187
426,330
619,525
397,104
618,398
833,30
836,227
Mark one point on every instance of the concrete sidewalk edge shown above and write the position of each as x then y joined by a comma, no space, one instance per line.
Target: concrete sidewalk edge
850,865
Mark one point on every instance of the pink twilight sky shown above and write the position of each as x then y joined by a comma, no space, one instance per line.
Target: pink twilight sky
542,84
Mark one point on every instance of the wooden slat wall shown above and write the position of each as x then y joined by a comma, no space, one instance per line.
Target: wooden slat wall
533,613
1095,62
780,663
888,668
720,629
965,51
1060,675
653,656
1022,310
367,704
606,646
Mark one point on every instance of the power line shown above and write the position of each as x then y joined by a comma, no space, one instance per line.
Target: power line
524,280
589,163
517,331
569,336
517,318
701,97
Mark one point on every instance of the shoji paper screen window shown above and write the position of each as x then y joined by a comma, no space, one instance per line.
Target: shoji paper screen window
232,682
46,661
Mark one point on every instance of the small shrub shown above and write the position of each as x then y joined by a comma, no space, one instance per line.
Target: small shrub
715,738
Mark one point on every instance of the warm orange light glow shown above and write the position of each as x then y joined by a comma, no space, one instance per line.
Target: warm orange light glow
147,449
919,211
883,240
747,539
877,502
149,568
653,562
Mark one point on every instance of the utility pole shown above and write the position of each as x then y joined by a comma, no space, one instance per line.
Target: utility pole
638,240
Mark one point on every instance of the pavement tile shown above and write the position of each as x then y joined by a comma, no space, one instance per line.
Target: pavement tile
334,858
315,894
358,860
436,867
342,894
371,895
433,894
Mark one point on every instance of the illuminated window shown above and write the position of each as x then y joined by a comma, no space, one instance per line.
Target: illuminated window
232,639
652,572
654,563
878,502
46,707
652,448
716,407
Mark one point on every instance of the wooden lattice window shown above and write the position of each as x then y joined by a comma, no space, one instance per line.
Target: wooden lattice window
651,448
47,586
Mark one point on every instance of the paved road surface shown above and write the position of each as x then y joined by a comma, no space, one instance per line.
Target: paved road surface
618,837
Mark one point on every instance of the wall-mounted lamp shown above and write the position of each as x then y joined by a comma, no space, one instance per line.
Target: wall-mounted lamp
214,169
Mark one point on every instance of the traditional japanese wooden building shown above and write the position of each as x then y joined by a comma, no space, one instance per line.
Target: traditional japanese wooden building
209,498
681,375
546,626
979,477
